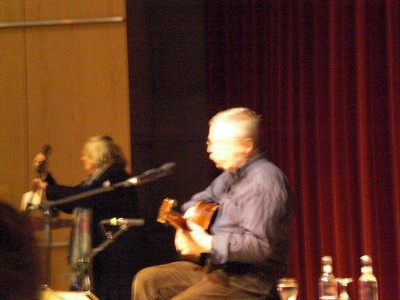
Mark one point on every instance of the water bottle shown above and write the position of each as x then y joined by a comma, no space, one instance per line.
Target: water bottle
367,284
327,285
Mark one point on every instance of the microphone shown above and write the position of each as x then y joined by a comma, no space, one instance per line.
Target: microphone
149,176
123,221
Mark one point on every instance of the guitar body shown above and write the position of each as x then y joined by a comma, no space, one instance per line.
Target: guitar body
203,215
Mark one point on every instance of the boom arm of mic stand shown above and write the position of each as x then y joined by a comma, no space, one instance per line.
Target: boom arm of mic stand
81,266
80,196
94,251
46,207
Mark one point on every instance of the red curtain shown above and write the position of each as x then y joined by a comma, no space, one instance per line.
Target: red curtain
325,76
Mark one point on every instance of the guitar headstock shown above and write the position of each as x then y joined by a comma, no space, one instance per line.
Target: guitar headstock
166,208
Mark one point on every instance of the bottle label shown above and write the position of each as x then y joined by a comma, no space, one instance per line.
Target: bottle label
328,290
367,291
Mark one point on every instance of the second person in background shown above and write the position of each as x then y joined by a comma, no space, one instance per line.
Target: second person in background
103,161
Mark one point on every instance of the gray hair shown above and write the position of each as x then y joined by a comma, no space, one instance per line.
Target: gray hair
103,150
247,120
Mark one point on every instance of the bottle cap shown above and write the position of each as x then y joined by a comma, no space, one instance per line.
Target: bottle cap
326,259
366,258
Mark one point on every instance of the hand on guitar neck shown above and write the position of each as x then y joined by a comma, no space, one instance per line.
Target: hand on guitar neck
33,198
40,161
191,239
40,166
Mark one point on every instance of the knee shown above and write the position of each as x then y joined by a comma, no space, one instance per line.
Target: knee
145,274
143,278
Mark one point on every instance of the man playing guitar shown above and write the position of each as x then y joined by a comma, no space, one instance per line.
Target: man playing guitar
247,245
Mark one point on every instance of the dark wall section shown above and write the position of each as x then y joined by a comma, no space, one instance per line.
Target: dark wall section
168,107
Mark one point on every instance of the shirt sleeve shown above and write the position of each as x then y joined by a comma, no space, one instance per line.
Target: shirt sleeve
252,226
211,193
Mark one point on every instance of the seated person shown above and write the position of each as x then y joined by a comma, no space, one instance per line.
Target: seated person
246,249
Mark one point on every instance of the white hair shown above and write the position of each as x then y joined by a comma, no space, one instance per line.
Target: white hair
245,119
103,150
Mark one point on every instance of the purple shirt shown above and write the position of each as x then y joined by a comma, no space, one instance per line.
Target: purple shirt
253,218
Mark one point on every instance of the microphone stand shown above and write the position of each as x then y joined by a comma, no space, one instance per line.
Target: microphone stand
82,265
47,241
144,178
47,218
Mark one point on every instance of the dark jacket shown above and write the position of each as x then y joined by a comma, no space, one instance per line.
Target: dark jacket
114,267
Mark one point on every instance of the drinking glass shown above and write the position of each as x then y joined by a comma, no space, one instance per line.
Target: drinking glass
287,288
343,282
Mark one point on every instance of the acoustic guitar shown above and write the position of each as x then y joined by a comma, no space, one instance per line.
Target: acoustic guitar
204,213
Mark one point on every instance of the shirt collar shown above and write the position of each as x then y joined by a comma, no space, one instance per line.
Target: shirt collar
239,173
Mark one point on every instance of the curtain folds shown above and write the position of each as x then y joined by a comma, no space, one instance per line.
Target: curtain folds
324,75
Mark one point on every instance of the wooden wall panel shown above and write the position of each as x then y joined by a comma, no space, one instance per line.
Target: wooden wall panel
60,9
78,89
77,84
13,111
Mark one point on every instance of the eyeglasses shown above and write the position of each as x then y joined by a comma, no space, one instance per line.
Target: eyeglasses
223,142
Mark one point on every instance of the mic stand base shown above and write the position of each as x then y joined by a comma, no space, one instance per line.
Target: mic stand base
47,218
81,267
